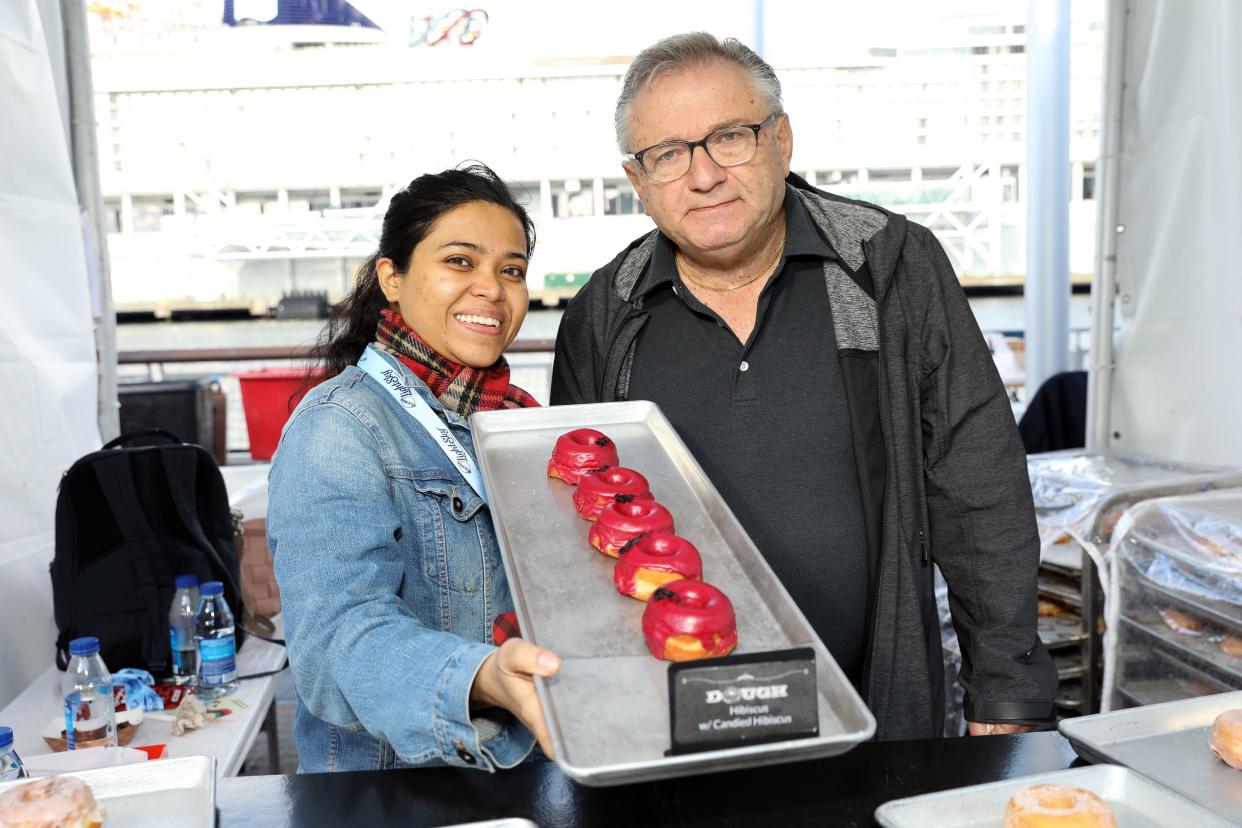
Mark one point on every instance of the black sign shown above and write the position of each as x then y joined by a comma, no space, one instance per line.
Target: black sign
743,700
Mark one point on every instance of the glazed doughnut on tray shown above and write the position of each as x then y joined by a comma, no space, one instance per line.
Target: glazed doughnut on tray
653,560
689,620
596,489
620,523
580,451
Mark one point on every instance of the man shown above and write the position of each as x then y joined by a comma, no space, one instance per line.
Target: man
820,360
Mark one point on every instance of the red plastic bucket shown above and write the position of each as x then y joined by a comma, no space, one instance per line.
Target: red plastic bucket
268,397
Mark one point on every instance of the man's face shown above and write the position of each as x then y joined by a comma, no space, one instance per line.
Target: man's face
712,210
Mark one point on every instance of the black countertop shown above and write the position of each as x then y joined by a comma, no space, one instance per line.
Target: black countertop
843,790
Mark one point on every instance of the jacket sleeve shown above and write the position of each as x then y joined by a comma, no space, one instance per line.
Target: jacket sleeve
980,515
574,377
361,657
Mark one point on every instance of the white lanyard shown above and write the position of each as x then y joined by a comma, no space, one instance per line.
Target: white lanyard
390,378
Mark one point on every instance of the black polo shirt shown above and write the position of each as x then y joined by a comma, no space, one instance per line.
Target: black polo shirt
768,422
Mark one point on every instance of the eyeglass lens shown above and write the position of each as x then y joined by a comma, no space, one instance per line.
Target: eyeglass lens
727,147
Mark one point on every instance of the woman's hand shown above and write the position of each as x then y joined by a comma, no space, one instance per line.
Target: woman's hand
996,728
506,680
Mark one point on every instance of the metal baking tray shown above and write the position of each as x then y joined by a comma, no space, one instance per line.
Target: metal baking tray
161,793
1167,743
607,708
1136,801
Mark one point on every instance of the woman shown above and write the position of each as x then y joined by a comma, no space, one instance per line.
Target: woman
389,572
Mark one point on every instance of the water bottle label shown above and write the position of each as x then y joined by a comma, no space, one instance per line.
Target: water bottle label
217,660
72,705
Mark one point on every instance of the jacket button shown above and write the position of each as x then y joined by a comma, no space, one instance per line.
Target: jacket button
457,504
466,756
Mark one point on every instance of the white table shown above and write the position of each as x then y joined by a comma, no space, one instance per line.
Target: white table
228,738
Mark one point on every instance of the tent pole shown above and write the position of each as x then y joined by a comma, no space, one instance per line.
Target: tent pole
1107,231
1047,286
86,175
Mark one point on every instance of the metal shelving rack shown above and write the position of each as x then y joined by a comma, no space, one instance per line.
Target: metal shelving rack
1079,498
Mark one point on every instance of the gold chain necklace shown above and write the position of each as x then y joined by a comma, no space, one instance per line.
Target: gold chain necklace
684,268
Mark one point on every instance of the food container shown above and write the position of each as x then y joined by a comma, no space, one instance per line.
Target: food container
607,709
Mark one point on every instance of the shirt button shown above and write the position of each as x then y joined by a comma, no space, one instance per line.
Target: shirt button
457,504
745,366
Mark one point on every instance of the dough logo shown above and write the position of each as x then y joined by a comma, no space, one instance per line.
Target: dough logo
733,695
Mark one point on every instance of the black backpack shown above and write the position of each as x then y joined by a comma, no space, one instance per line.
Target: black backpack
128,521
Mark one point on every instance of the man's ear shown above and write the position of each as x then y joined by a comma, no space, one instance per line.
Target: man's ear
389,279
784,139
635,176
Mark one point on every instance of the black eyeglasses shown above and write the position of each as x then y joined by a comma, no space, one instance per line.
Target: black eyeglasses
728,147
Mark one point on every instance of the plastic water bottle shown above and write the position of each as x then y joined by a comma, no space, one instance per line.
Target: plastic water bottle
217,651
181,630
90,715
10,763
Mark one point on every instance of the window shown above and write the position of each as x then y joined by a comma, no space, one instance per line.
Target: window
572,199
620,198
1088,182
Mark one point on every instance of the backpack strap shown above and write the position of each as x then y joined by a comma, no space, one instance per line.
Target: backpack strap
117,483
180,466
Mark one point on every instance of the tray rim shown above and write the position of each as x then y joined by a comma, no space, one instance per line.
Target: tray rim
1082,730
638,411
884,813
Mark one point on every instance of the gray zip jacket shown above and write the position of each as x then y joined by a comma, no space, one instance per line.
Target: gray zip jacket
941,466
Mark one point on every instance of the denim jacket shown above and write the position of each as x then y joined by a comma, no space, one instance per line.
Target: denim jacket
390,578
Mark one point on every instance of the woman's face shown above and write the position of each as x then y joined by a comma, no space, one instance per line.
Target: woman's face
465,291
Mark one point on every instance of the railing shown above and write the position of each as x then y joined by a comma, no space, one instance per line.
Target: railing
155,359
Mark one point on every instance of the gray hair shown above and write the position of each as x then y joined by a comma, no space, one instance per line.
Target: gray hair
691,49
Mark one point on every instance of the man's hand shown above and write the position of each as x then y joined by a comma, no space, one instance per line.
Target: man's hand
506,680
996,728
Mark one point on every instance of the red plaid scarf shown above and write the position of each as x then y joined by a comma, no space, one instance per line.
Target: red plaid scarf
459,388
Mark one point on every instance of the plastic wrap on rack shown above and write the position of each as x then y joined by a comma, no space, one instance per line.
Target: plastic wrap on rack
1077,494
1185,552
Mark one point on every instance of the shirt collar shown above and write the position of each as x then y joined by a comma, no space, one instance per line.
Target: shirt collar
802,238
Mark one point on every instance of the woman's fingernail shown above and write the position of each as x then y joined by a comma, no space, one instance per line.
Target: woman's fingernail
548,662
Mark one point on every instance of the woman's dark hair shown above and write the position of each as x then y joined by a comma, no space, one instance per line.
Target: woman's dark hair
410,216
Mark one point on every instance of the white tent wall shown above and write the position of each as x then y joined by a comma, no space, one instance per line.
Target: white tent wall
1179,259
48,365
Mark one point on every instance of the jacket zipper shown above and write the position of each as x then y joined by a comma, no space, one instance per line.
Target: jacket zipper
612,377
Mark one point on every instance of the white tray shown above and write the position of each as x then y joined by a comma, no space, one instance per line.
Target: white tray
161,793
1136,801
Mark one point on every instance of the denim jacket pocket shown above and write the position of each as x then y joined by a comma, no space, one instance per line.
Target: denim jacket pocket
453,550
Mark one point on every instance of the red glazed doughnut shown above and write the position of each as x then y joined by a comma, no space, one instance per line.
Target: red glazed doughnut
620,523
580,451
653,560
596,489
689,620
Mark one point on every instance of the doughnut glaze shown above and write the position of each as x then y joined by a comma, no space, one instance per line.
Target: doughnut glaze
689,620
580,451
619,523
1226,739
61,801
1057,806
653,560
596,489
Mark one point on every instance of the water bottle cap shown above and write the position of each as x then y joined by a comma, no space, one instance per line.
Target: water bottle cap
88,645
208,588
6,737
186,581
